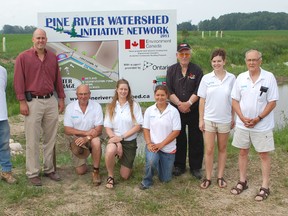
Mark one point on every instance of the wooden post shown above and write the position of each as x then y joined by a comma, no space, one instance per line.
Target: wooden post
216,34
202,34
4,44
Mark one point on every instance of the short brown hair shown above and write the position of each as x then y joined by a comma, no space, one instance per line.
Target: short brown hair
219,52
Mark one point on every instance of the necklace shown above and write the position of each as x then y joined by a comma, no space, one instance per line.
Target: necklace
161,110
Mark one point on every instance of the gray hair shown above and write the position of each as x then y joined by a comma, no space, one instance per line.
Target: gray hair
254,50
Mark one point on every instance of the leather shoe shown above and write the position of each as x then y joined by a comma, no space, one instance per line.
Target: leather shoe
177,171
53,176
197,173
36,181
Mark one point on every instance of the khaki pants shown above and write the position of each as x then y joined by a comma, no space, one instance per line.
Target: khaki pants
43,114
77,162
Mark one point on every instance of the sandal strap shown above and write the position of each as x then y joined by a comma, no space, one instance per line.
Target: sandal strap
221,180
243,184
239,190
266,190
204,182
110,180
264,195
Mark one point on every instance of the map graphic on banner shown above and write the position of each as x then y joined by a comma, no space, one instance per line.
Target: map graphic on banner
91,63
99,48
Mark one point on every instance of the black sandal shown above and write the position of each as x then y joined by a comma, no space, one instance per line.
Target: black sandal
206,183
221,182
263,195
239,190
110,183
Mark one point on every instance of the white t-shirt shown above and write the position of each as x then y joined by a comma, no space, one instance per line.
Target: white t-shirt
75,118
3,103
122,121
161,125
217,95
252,102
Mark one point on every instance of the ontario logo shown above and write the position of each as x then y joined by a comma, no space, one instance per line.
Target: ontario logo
129,44
154,67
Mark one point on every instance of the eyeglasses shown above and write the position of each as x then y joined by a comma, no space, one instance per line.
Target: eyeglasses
252,60
83,94
184,55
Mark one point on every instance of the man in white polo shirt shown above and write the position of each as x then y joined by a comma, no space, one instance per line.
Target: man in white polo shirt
254,97
83,122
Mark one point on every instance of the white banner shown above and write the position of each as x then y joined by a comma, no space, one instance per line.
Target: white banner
99,48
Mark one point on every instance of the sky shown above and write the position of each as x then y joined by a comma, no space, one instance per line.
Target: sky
24,12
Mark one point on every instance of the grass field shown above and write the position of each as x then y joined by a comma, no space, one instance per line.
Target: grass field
75,195
273,45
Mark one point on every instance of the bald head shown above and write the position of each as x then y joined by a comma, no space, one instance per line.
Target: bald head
39,31
39,40
82,88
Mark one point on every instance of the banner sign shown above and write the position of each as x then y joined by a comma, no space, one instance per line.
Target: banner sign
99,48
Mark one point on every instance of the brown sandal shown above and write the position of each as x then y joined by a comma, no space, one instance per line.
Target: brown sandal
110,182
239,190
205,183
264,195
221,182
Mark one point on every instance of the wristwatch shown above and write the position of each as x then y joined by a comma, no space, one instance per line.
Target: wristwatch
89,138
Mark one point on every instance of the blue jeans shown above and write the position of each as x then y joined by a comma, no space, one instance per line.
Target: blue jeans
5,157
162,163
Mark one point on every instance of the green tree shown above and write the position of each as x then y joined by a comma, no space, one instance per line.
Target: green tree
186,26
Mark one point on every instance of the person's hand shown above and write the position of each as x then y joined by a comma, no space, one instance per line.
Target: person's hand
81,141
246,121
184,107
154,147
252,122
232,124
119,150
92,132
202,125
24,109
115,139
61,105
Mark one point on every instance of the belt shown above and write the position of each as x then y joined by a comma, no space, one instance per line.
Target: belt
42,96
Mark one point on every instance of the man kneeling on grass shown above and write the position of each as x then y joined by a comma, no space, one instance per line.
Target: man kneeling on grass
83,122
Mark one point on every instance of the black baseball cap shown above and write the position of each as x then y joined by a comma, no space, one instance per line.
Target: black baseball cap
183,46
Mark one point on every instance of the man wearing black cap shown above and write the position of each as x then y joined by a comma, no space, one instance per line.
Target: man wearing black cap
183,79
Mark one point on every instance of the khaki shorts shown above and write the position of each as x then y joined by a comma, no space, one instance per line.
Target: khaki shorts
217,127
262,141
129,153
77,162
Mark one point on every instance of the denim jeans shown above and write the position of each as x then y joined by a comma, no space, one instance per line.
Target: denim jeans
158,162
5,157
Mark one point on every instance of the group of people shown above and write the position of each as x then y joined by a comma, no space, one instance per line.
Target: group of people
205,104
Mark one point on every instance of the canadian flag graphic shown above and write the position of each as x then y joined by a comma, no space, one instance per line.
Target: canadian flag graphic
140,44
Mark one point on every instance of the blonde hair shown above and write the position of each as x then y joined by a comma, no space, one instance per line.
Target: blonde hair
111,106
